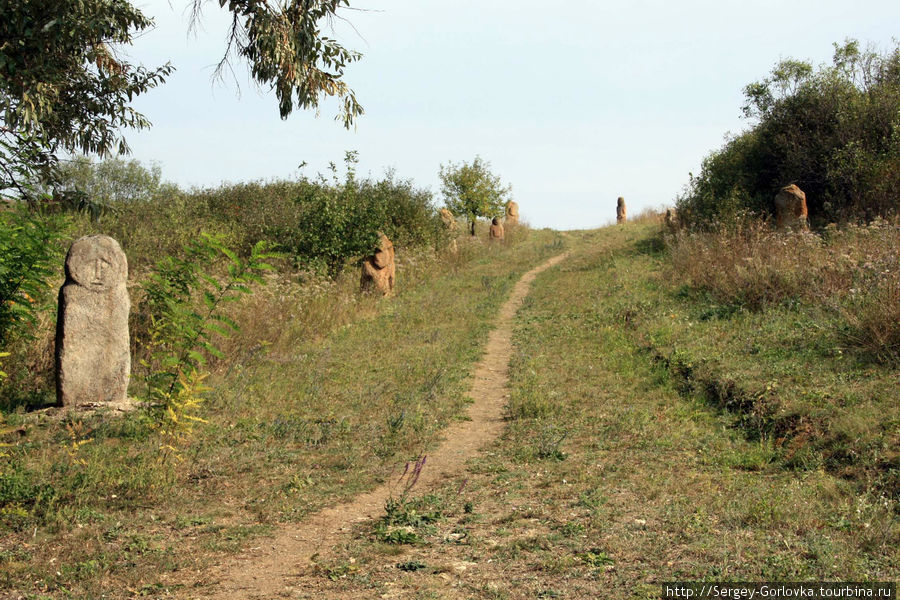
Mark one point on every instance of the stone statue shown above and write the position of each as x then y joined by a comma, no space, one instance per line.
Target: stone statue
790,208
93,359
620,211
378,270
496,233
671,220
448,219
512,213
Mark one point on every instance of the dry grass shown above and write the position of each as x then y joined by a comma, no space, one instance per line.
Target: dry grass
311,303
854,269
874,321
648,216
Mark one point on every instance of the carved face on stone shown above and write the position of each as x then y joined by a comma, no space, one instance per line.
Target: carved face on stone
512,209
384,256
620,201
97,263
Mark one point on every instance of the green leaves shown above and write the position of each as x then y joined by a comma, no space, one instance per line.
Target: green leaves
61,85
340,220
832,130
285,48
29,247
185,300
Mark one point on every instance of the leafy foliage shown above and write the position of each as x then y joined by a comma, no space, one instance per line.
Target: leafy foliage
62,85
112,181
472,190
284,45
834,131
185,304
341,220
28,250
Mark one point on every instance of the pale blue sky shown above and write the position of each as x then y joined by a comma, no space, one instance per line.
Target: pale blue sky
573,103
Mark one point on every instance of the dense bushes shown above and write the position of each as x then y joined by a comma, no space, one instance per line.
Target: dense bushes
835,132
29,243
316,221
316,225
341,220
31,251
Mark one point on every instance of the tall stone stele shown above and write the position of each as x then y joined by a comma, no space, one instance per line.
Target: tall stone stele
790,208
93,360
620,211
378,270
512,213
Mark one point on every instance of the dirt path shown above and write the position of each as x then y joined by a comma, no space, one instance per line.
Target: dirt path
270,570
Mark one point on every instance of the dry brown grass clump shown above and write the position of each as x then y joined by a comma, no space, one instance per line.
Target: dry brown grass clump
648,215
854,269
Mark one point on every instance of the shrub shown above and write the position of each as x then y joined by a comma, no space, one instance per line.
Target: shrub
834,131
341,220
29,248
184,303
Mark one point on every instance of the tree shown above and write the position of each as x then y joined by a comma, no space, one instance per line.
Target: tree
472,190
112,181
63,85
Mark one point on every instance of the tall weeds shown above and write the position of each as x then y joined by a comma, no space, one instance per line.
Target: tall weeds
855,270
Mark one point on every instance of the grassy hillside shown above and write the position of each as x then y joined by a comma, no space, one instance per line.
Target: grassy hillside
94,505
656,431
615,474
318,228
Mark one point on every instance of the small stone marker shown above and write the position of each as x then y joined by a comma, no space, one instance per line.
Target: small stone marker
512,213
448,219
93,359
378,270
496,233
620,211
790,208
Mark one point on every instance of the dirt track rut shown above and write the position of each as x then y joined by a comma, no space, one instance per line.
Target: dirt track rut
273,568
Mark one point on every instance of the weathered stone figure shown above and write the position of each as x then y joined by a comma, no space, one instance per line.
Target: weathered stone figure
448,219
93,359
496,233
671,220
620,211
512,213
790,208
378,270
